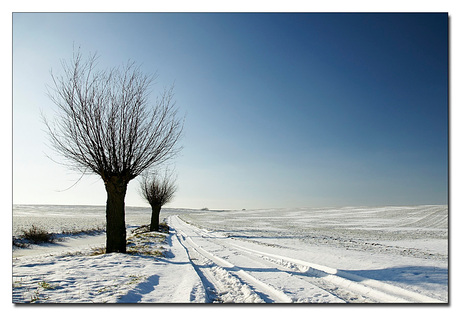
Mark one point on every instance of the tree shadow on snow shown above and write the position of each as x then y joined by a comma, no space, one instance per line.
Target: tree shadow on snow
135,295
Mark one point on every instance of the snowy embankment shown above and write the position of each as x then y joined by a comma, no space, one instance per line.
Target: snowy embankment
367,255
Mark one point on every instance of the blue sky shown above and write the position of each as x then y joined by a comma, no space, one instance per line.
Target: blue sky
282,110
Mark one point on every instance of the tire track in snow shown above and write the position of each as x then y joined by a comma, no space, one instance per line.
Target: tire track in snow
312,292
309,280
377,290
227,277
220,285
339,281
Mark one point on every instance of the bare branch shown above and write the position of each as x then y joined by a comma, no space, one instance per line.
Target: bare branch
104,121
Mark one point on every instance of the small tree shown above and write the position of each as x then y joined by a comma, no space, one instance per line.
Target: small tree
106,125
157,191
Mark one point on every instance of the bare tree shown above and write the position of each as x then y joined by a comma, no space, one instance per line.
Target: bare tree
157,191
105,125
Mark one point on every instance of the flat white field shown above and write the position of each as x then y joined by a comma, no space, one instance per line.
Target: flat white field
309,255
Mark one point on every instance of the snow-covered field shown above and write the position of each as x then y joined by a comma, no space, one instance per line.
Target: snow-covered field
308,255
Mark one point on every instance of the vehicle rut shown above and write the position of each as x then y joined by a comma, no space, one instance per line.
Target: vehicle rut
227,279
346,287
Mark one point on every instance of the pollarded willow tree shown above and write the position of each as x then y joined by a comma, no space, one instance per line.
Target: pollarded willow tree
157,191
106,125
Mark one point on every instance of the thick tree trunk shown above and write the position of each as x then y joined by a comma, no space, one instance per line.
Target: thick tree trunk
155,220
115,215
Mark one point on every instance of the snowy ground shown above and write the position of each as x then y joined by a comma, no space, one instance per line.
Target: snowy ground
327,255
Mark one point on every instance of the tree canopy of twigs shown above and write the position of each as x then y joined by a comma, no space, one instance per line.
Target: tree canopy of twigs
104,122
158,190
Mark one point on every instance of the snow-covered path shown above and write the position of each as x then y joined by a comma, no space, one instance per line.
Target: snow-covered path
228,265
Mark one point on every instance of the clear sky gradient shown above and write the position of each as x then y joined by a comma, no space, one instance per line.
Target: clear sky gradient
282,110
